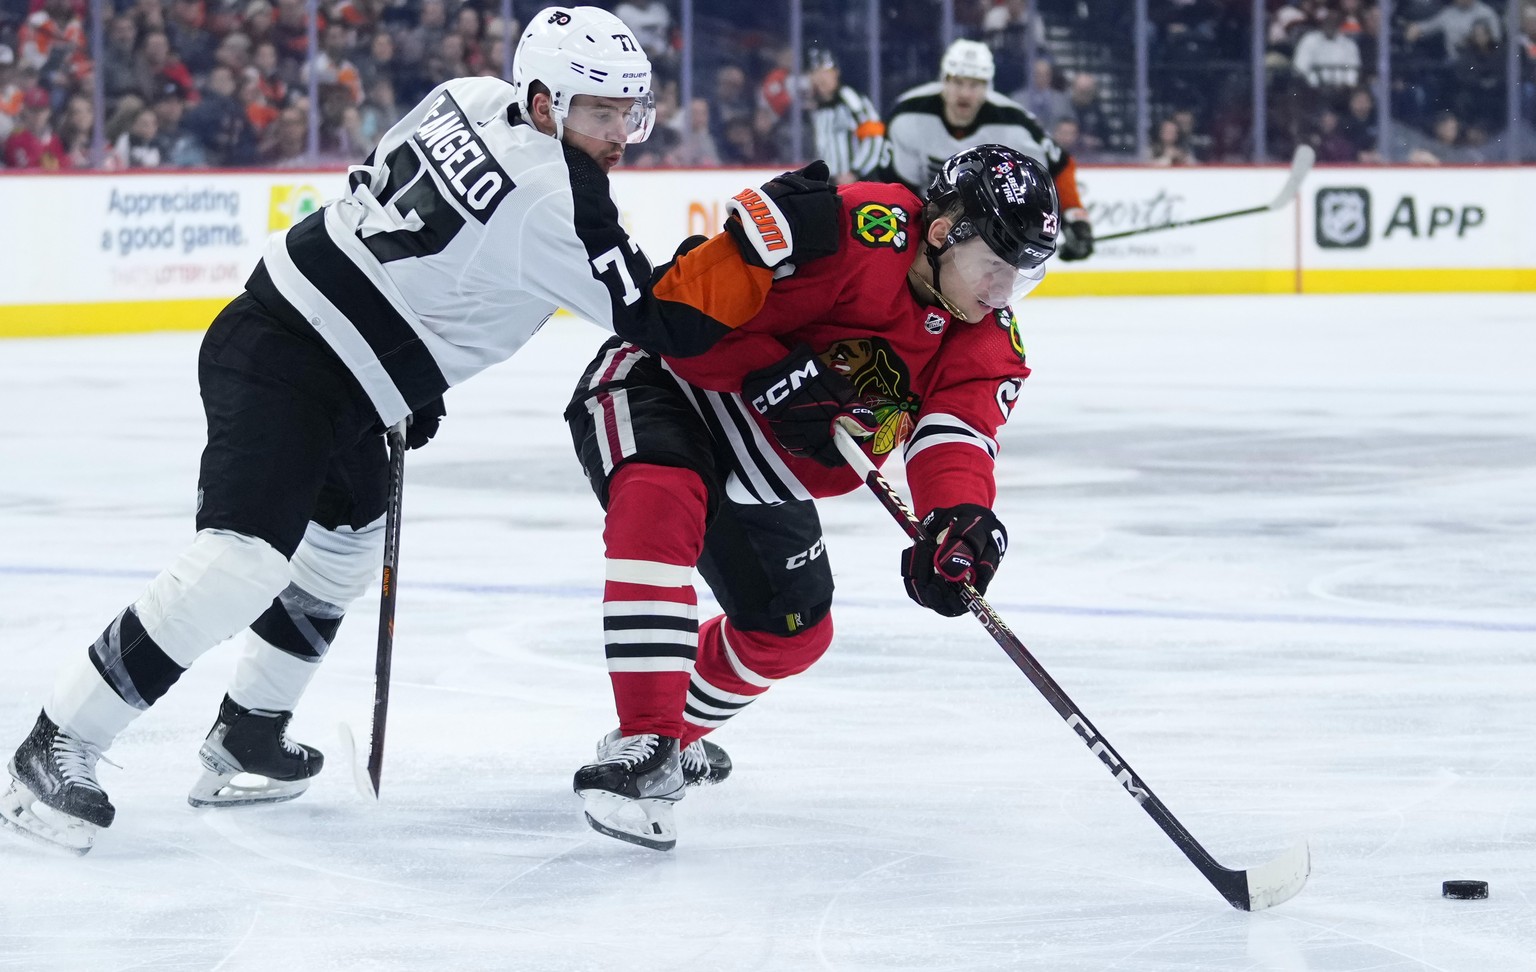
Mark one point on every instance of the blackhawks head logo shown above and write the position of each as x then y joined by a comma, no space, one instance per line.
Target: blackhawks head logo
878,224
882,380
1009,322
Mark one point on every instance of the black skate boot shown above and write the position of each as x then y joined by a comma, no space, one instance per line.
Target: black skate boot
253,742
630,788
53,796
704,763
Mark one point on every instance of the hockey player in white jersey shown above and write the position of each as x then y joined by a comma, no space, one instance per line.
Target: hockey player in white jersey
479,214
934,121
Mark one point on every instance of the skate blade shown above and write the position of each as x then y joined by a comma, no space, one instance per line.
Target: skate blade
23,813
214,789
648,823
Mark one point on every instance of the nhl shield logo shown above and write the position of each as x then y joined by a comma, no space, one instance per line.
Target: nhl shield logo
935,323
1343,218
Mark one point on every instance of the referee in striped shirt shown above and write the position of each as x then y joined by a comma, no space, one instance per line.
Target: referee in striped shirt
849,133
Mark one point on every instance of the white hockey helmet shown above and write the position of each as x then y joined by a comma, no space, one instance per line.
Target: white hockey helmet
968,59
585,51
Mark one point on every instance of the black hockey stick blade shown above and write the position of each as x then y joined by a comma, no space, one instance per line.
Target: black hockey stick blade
388,586
1301,165
1248,890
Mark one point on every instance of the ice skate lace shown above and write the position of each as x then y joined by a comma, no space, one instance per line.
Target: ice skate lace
76,760
632,750
289,746
694,760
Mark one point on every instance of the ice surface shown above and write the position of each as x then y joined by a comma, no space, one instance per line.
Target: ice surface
1282,551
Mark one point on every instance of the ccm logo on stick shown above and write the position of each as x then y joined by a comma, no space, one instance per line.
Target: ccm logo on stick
1108,758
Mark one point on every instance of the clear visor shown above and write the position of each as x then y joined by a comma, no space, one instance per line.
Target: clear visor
988,277
622,120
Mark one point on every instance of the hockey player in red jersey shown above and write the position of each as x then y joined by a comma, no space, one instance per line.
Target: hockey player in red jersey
713,461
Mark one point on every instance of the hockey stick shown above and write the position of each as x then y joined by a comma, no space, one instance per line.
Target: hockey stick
1248,890
1301,164
387,590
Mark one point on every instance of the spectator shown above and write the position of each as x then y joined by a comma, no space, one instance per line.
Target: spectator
1358,126
1169,146
379,111
148,15
1068,135
1016,34
118,74
219,123
332,67
52,40
1044,98
34,144
467,27
1479,96
267,70
732,98
139,146
286,140
698,146
652,25
234,52
424,39
1092,122
177,146
1326,58
290,30
379,61
1446,147
122,117
12,92
159,70
77,128
258,110
1331,141
739,144
191,42
256,22
1454,24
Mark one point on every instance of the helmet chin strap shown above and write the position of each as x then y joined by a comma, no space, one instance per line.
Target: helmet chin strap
933,288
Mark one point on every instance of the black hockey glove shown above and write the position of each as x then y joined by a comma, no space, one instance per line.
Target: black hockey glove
803,400
965,545
793,218
1076,237
424,422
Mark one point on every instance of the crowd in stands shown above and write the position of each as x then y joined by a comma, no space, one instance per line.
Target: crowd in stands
211,83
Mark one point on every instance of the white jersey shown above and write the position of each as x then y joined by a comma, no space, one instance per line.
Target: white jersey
462,234
920,141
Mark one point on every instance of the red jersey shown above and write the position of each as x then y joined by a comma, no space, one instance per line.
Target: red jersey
24,150
940,388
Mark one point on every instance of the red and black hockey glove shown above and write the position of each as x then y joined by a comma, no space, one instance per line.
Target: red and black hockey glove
424,423
793,218
804,400
965,545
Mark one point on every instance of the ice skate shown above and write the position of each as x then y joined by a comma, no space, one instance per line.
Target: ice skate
53,796
630,789
704,763
248,759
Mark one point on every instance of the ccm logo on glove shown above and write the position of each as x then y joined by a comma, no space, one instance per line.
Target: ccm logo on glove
786,386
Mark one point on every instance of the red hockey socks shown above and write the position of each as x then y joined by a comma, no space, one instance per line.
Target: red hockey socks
654,535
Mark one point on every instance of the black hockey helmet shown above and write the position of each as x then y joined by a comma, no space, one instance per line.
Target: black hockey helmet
1007,198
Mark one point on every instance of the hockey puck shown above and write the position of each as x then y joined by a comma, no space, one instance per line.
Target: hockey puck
1464,889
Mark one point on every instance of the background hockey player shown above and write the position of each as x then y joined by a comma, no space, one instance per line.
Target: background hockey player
931,122
715,460
479,214
850,137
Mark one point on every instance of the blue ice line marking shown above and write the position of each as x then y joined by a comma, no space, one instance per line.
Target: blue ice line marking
1064,610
